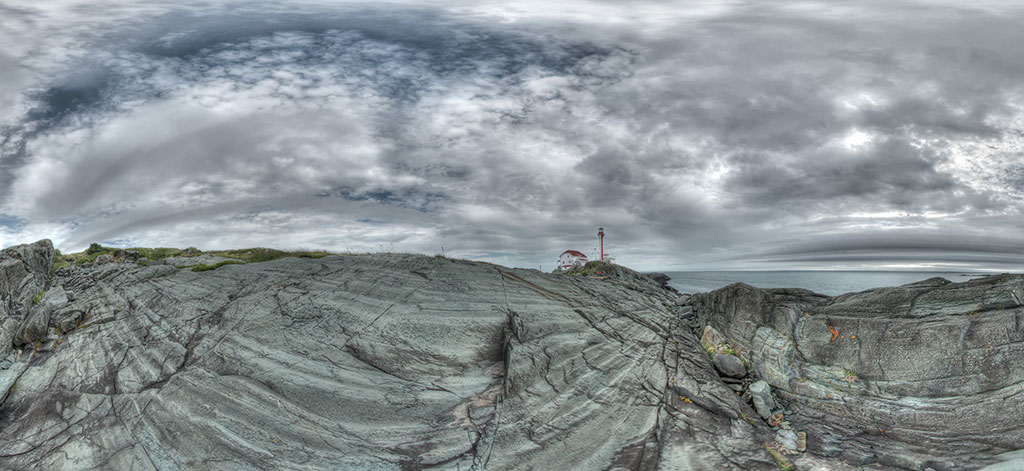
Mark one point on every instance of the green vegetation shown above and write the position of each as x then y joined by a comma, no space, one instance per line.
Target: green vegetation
215,266
594,268
158,253
149,255
38,297
259,254
780,459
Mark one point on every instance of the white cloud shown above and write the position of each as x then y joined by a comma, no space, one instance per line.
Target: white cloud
718,133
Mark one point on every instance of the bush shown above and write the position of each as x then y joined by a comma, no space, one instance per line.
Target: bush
95,249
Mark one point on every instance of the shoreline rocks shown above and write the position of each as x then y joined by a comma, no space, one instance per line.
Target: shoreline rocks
407,362
387,361
928,374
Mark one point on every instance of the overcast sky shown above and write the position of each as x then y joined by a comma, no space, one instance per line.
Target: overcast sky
701,135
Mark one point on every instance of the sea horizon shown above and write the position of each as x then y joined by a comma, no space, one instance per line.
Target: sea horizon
828,282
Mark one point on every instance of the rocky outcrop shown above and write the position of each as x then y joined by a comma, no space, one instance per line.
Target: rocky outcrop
24,271
382,362
928,375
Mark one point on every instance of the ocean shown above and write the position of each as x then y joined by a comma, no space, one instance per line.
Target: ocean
832,283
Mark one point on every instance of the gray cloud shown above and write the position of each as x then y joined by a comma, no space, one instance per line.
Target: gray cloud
700,135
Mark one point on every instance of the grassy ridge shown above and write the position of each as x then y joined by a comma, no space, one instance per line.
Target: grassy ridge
148,255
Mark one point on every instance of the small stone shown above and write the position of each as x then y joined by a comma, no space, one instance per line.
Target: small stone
787,438
729,365
711,338
736,387
801,441
761,396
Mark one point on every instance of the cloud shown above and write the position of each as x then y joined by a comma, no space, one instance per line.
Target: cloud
701,135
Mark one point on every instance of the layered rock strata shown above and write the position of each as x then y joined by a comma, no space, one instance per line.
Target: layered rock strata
928,375
378,362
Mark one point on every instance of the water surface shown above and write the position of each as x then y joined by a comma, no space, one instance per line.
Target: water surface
826,282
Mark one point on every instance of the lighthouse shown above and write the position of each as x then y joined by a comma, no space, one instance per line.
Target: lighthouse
600,235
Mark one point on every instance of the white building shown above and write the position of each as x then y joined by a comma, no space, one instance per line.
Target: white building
571,259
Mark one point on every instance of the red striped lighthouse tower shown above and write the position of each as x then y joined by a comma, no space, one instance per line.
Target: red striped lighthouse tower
600,234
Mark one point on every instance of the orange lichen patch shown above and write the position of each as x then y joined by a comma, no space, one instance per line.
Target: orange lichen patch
775,420
686,399
835,333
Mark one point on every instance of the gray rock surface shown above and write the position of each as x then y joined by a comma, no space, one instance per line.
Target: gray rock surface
24,270
191,261
8,329
929,374
787,438
711,338
729,366
761,395
382,362
35,325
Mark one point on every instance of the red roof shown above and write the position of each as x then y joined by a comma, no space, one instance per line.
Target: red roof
574,252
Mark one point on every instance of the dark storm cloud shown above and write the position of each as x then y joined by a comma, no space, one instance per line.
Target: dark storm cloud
701,134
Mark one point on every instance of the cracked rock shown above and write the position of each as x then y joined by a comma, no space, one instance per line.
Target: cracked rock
385,361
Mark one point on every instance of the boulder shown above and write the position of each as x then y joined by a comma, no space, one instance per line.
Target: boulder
55,298
729,365
126,255
35,325
711,338
761,396
105,259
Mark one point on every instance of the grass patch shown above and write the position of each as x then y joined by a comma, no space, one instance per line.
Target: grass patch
596,267
150,255
259,254
780,459
38,297
158,253
205,267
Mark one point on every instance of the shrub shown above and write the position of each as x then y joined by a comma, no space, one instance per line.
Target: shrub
95,249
